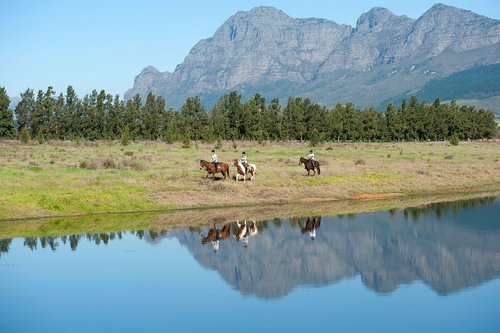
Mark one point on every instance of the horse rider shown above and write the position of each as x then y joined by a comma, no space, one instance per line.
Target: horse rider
243,161
311,158
213,158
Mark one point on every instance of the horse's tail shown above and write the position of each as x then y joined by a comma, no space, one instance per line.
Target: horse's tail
317,167
227,171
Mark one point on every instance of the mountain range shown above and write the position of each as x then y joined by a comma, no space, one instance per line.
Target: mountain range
384,58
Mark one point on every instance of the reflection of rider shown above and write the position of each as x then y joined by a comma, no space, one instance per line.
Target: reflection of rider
215,246
311,158
312,234
243,161
311,226
214,159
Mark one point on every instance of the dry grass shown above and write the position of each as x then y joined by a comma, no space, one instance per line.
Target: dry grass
59,178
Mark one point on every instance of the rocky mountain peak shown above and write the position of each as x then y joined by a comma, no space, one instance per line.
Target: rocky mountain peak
266,50
374,19
150,70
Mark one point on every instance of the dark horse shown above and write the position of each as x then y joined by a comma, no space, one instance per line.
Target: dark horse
210,167
311,226
309,166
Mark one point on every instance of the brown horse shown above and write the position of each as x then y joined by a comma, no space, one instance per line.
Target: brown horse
252,169
311,226
210,167
215,234
308,165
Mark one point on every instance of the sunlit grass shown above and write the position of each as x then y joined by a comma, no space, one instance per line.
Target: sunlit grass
67,178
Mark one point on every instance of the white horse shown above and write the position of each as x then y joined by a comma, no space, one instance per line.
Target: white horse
252,169
242,230
251,231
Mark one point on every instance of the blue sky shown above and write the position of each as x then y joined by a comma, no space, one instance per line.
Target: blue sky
94,44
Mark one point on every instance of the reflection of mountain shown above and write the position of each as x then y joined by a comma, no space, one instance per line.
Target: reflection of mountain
458,250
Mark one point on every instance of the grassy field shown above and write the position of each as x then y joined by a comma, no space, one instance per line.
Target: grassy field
66,178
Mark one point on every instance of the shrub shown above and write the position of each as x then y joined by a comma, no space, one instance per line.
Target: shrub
88,165
359,161
315,138
186,143
448,157
24,135
108,163
454,140
125,137
40,137
218,145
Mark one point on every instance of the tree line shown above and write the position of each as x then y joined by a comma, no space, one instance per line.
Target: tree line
101,116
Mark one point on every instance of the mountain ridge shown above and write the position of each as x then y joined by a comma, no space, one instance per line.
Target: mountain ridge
264,46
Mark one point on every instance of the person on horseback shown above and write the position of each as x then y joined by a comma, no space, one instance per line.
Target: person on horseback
243,161
311,158
214,159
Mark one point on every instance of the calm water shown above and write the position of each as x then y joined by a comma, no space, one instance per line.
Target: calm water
432,269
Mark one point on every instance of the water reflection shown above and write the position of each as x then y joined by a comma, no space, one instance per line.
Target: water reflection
448,246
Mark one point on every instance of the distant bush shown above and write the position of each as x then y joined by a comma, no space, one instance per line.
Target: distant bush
448,157
315,138
359,161
218,145
186,142
109,163
454,140
88,165
24,135
125,136
40,137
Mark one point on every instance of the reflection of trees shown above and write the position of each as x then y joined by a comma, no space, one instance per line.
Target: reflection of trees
73,240
438,209
4,245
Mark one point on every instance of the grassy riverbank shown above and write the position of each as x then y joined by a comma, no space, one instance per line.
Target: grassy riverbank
65,178
201,218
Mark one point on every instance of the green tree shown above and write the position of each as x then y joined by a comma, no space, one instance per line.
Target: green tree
220,118
336,122
152,115
195,119
24,135
24,110
7,126
271,121
133,118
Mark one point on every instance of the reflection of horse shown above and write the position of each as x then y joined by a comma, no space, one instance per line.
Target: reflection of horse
242,230
252,169
210,167
308,165
311,226
214,235
251,231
